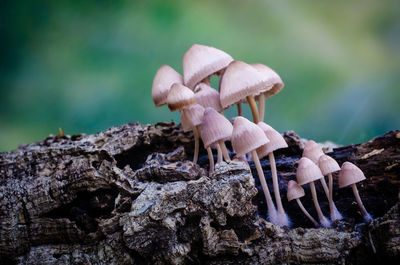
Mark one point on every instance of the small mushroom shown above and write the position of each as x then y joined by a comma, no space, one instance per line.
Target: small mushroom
276,142
179,98
207,97
328,165
246,138
274,84
215,129
350,174
162,82
200,62
295,191
307,172
240,83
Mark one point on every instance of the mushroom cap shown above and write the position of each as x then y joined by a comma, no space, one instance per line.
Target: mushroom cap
307,171
327,165
201,61
215,127
180,97
350,174
275,83
195,113
207,97
294,191
239,81
246,136
162,82
313,151
185,123
276,141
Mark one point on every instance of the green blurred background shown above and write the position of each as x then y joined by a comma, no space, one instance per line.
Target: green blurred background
88,65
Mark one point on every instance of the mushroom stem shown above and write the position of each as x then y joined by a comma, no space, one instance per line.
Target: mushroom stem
253,107
211,160
219,154
306,213
282,217
261,106
196,136
335,214
224,150
239,107
366,215
322,219
271,207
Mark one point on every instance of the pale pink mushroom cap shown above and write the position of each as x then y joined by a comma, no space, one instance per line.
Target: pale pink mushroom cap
313,151
274,81
307,171
180,97
185,123
276,141
215,127
195,113
239,81
207,97
162,82
327,165
294,191
201,61
350,174
246,136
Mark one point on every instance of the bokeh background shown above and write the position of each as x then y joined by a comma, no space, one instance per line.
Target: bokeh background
88,65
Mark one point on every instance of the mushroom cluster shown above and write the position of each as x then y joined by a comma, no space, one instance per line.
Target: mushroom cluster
202,107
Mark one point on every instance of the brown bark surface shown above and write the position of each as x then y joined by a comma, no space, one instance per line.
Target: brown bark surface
130,195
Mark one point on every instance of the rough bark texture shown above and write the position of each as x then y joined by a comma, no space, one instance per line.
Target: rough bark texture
129,195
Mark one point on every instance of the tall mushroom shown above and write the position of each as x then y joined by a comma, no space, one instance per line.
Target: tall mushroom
328,165
162,82
276,142
275,85
216,129
350,174
200,62
179,98
295,192
246,138
241,83
308,172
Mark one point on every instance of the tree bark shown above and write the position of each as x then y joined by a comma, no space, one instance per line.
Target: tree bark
129,195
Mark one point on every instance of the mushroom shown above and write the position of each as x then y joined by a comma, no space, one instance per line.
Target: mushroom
313,151
275,85
295,191
215,130
276,142
179,98
240,83
308,172
350,174
200,62
328,165
247,137
207,97
162,82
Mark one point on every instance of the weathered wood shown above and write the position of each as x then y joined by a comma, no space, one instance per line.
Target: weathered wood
128,196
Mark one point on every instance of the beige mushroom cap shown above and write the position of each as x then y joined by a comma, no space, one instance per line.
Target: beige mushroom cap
327,165
294,191
201,61
239,81
215,127
180,97
246,136
350,174
276,141
207,97
313,151
162,82
307,171
274,81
